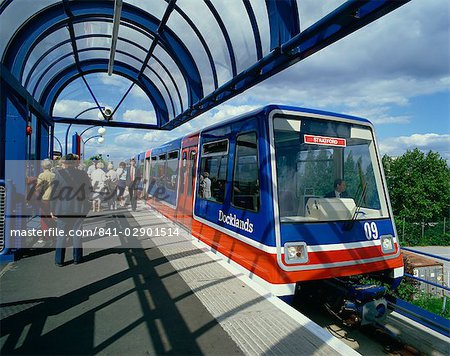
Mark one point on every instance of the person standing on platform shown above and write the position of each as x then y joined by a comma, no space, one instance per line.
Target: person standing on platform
70,206
111,182
133,182
122,174
92,167
98,178
44,187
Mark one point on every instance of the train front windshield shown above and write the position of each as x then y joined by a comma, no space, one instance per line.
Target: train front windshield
312,155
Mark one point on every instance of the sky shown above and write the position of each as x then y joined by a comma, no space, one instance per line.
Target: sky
394,72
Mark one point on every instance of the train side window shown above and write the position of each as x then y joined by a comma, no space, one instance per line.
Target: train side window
183,171
171,178
245,192
160,175
153,177
191,174
213,171
161,166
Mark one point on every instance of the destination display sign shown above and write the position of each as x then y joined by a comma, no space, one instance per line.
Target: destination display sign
326,141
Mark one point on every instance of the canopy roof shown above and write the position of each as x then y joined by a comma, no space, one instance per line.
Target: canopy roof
187,55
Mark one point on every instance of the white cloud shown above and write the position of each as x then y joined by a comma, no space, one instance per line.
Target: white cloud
137,92
113,80
70,108
135,115
392,120
392,60
396,146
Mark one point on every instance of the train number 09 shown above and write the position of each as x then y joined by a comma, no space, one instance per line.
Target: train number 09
371,230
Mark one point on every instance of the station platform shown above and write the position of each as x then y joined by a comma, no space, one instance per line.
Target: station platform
170,296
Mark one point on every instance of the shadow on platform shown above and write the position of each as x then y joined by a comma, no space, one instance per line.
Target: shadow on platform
126,300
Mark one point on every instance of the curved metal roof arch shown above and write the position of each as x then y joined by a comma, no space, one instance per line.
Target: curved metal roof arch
181,65
53,18
69,74
31,71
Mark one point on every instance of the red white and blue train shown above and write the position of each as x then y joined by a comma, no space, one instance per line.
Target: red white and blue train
253,188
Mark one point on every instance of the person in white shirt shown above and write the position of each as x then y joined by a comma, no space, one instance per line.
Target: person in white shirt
206,186
92,168
98,178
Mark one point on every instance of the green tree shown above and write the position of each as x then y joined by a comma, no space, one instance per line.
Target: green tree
419,185
324,170
351,175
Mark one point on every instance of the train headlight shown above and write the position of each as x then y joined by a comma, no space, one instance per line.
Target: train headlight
295,252
387,244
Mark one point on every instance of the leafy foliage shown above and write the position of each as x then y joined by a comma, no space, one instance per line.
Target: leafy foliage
409,291
419,185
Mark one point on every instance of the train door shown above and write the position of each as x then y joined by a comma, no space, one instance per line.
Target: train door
187,179
146,177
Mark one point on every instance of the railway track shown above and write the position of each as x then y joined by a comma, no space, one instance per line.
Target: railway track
399,335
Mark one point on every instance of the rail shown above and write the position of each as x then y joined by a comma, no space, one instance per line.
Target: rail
433,321
426,254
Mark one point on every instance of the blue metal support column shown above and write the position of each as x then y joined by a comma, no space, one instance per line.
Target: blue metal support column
14,85
2,128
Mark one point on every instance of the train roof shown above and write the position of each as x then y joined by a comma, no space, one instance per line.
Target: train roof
265,110
268,108
167,147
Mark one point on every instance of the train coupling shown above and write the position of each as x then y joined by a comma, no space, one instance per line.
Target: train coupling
357,304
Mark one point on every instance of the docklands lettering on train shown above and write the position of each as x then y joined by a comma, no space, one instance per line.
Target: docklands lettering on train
233,220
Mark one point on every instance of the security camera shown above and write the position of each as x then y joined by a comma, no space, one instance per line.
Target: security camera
108,113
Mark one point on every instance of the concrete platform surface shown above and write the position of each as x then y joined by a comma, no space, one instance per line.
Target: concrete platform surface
167,297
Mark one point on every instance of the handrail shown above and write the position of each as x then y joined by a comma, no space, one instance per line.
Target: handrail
428,282
426,254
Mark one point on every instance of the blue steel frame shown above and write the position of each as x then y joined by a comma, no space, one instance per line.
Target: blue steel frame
349,17
287,43
54,17
60,81
35,65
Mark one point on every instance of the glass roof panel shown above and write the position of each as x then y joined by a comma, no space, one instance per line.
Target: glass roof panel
135,36
162,55
207,24
165,94
240,31
93,42
156,8
48,42
37,91
179,25
15,14
94,54
120,57
310,12
131,49
56,53
167,78
92,27
262,19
